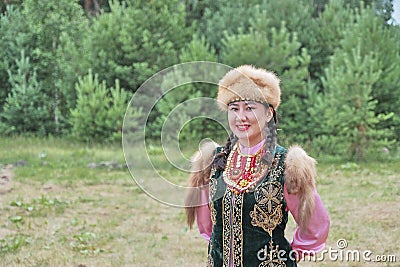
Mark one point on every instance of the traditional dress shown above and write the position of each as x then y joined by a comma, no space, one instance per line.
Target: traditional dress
242,209
248,211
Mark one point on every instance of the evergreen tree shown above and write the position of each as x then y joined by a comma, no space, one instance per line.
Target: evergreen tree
170,121
13,39
99,112
281,52
297,15
234,17
185,97
373,35
329,30
26,107
348,123
135,40
382,8
197,50
56,29
225,17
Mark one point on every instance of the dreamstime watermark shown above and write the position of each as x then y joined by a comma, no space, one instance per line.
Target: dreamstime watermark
339,254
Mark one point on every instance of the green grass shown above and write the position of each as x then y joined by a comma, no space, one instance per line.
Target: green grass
60,212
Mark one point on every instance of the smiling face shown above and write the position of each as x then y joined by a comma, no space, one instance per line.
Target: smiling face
247,120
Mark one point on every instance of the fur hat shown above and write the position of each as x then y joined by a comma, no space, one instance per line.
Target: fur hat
249,83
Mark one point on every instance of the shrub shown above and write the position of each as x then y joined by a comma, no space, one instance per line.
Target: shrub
26,109
99,112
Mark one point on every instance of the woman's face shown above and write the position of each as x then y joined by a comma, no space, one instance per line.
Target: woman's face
247,120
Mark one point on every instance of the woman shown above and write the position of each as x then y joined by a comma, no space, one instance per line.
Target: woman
252,182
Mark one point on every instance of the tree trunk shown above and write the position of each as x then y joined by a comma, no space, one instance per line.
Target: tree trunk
92,7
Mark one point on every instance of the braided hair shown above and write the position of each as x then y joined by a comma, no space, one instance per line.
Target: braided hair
271,138
220,159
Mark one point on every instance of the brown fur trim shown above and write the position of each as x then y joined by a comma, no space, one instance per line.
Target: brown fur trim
199,178
249,83
300,172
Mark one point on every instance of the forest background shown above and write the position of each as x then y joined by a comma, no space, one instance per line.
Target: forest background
69,68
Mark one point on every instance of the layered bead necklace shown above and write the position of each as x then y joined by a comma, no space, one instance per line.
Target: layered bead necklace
243,172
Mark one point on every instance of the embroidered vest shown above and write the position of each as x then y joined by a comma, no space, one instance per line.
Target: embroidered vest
248,228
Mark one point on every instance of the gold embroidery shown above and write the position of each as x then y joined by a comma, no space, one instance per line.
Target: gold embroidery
270,259
213,171
213,213
237,231
268,222
210,261
276,160
275,173
226,235
213,188
267,212
232,229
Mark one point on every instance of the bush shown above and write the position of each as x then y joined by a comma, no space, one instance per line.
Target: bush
99,112
26,109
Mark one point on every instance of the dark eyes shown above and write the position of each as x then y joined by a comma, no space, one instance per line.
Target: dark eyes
248,108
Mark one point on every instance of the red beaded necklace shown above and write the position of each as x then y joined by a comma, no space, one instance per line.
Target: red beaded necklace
243,172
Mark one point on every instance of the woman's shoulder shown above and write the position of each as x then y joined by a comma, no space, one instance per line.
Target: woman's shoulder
293,154
300,172
300,169
296,155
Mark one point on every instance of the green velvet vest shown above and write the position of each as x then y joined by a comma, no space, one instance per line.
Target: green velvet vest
248,228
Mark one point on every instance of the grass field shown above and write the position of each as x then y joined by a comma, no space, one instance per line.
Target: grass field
61,212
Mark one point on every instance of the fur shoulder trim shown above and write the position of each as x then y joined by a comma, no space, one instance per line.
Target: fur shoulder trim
201,164
300,172
199,178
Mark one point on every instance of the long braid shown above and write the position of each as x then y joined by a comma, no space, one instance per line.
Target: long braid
271,137
220,159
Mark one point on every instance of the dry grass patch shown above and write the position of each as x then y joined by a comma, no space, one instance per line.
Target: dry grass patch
59,212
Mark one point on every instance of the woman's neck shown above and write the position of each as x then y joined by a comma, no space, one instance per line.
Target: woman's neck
251,150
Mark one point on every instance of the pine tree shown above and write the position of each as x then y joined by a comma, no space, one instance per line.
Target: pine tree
135,40
55,30
364,41
99,112
26,109
225,17
329,30
13,40
373,35
197,50
348,123
192,116
280,51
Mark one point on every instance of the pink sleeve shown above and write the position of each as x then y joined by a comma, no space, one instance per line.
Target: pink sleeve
203,216
314,238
